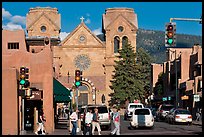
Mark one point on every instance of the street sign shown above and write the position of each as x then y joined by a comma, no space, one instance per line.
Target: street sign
196,98
164,99
184,97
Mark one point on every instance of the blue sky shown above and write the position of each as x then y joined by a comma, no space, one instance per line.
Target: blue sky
151,15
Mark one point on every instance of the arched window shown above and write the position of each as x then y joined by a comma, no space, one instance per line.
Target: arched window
83,88
124,41
116,44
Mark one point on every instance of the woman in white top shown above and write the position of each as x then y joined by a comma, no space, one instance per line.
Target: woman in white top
74,119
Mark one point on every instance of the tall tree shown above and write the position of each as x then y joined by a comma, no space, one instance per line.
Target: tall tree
130,79
144,69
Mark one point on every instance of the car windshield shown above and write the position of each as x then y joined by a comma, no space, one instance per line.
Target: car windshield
182,112
142,112
135,106
167,108
100,109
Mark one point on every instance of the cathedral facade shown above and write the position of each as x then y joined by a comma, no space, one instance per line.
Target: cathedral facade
83,50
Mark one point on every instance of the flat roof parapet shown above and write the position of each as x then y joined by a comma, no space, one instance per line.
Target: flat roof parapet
119,9
43,9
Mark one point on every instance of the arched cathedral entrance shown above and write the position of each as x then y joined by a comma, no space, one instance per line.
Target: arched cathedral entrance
86,93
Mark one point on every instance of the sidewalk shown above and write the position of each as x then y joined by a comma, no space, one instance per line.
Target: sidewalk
197,122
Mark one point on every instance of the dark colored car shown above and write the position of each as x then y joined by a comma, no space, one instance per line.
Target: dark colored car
162,111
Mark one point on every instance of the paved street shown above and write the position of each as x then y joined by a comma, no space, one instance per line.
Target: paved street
160,128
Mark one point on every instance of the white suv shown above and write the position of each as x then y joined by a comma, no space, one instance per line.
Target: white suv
131,107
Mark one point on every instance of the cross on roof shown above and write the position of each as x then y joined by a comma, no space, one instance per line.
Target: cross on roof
82,19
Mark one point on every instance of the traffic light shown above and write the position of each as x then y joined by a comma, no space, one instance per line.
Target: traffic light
24,77
170,34
78,78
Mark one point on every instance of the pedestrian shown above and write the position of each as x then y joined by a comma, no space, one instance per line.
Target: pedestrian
116,121
41,121
198,115
95,122
74,119
88,121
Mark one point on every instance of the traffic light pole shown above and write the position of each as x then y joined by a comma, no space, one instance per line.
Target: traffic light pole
77,97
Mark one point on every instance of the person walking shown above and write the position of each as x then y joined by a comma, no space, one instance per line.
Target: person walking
95,122
41,120
74,119
198,115
88,121
116,121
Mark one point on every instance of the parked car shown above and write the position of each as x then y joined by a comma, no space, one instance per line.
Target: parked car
180,116
162,111
142,117
104,114
131,107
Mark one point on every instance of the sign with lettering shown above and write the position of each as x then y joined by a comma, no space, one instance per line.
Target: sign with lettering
184,97
196,98
36,95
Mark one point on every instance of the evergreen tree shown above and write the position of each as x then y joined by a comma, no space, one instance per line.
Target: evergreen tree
144,70
130,79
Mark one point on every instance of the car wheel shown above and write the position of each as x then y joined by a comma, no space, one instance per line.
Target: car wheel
189,123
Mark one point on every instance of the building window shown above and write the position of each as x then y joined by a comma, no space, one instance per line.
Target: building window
43,28
120,28
124,41
13,45
116,44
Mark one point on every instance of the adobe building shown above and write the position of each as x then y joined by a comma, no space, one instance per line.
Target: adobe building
35,54
14,56
189,77
81,49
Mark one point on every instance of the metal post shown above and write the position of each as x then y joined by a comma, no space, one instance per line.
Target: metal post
95,96
176,80
77,98
23,116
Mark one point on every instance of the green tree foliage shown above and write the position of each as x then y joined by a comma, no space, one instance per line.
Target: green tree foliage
130,79
158,89
144,69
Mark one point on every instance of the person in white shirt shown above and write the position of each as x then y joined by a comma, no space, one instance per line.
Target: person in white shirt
74,119
88,120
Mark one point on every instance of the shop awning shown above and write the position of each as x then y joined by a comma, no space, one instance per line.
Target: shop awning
61,93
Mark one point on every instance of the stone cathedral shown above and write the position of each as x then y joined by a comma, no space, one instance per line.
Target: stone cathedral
83,50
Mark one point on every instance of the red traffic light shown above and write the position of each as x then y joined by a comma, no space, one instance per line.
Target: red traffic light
77,73
170,28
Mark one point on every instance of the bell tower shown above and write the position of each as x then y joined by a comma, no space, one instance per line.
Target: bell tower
43,22
120,26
